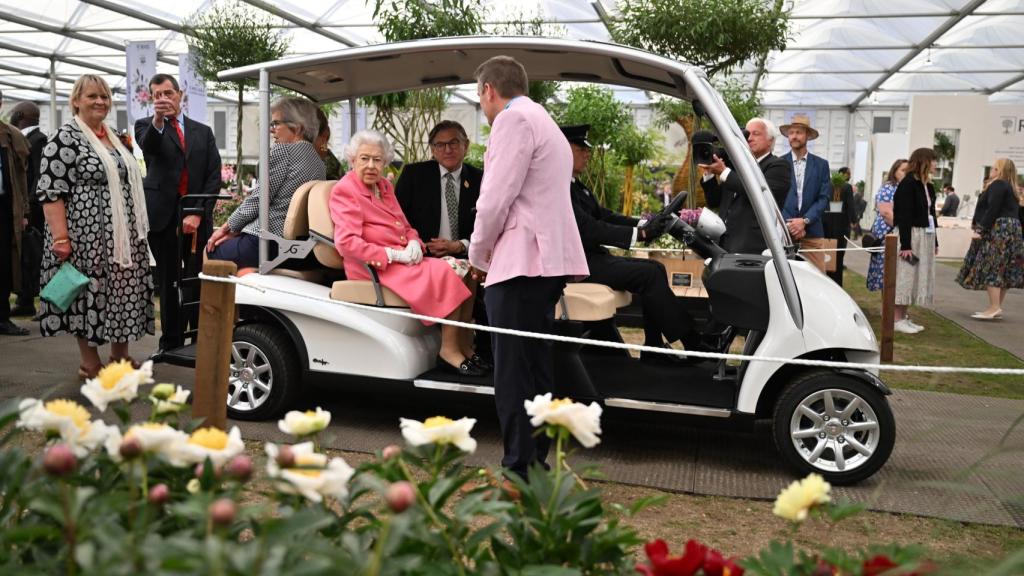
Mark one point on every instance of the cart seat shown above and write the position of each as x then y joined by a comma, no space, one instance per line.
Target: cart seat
296,226
588,302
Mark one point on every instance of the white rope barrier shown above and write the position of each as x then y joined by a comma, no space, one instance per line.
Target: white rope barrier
619,345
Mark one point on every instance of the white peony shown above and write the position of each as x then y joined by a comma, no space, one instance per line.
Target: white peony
154,438
67,418
582,421
304,423
440,430
206,443
117,381
313,475
83,440
173,403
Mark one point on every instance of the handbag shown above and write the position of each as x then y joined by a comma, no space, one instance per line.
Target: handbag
64,287
869,240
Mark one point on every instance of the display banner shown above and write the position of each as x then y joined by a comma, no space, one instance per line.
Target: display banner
193,97
140,67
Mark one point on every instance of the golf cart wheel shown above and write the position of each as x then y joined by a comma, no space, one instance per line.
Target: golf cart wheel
834,425
262,376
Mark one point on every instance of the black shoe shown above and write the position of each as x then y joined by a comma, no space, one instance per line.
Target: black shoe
467,368
23,311
9,328
480,363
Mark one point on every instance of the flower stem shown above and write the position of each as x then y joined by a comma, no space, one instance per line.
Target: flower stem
559,461
378,553
69,527
432,515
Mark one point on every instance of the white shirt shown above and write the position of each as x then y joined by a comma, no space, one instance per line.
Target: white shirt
29,130
799,167
445,229
725,173
181,122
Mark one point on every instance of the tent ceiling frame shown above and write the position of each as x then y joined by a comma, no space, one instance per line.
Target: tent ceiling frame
311,26
136,14
37,53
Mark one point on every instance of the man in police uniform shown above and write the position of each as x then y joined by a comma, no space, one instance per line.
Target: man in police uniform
599,227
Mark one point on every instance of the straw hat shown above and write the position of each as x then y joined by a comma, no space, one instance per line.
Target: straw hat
800,120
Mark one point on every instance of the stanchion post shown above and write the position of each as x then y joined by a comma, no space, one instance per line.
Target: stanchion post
888,296
213,345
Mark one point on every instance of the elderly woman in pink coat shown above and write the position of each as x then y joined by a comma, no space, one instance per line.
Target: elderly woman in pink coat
370,229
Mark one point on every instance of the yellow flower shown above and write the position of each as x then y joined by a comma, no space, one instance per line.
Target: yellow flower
799,497
117,381
207,443
304,423
155,438
440,430
67,418
582,421
211,438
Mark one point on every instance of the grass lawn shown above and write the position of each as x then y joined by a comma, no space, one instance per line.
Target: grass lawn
943,343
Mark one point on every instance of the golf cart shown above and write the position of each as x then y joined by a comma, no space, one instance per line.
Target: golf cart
833,421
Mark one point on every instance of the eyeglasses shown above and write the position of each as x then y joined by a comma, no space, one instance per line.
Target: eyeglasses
364,160
277,123
451,145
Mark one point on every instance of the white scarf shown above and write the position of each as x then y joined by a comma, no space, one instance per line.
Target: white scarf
118,218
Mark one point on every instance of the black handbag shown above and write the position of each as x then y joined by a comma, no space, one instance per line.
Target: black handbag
31,247
869,240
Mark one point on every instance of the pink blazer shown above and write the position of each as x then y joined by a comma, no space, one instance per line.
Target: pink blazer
365,225
524,218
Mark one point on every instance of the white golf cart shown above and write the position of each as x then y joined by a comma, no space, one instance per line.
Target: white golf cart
836,422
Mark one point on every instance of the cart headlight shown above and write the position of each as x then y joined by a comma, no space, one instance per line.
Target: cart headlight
865,327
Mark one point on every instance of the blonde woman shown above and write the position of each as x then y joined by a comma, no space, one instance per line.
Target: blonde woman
914,217
90,186
995,260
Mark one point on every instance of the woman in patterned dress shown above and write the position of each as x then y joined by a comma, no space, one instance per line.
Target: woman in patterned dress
883,221
995,260
91,189
293,162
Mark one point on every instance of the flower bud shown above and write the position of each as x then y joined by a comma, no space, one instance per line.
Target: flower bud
223,511
400,496
240,468
159,494
130,448
193,486
162,391
59,460
286,457
391,451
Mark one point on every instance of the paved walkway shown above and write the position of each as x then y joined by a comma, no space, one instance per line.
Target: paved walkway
957,304
939,438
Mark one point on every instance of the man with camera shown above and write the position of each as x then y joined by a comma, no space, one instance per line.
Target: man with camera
600,227
809,191
724,191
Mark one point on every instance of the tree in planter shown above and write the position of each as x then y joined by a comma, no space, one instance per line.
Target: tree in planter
540,91
945,153
633,147
608,118
407,117
228,35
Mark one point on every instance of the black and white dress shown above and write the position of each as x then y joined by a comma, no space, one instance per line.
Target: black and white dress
116,305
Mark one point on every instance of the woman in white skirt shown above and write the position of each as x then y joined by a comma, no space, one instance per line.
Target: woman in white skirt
914,218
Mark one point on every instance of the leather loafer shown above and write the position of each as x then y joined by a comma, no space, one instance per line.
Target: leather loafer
11,329
480,363
467,368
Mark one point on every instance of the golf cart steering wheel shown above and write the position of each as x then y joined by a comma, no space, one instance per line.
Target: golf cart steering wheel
675,205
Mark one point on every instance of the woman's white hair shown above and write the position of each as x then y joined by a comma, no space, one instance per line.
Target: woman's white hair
770,129
371,138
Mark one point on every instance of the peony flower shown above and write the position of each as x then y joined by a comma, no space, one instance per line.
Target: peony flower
223,511
879,564
66,418
799,497
168,401
583,422
662,564
206,443
117,381
717,565
193,486
313,475
440,430
59,460
304,423
400,496
154,438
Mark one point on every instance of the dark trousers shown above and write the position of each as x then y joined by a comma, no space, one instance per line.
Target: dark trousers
175,260
31,262
243,250
837,226
663,313
523,367
6,255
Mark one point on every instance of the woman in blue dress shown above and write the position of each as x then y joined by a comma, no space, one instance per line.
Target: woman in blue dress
883,220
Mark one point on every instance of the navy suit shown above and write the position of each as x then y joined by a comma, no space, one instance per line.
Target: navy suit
817,192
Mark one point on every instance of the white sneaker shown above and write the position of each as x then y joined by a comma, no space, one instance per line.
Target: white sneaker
913,324
905,327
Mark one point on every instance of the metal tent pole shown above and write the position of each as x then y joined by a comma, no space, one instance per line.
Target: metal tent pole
264,166
53,97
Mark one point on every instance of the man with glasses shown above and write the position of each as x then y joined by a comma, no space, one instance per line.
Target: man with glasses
181,159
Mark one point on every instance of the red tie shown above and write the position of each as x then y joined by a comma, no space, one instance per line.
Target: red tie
183,183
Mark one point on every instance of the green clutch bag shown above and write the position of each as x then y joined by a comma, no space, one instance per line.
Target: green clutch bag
64,287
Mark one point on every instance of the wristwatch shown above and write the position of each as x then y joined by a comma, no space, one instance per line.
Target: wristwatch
807,221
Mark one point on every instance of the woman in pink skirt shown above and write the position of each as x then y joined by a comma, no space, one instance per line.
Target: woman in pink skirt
370,229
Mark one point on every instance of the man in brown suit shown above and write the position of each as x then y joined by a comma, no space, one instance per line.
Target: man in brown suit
14,153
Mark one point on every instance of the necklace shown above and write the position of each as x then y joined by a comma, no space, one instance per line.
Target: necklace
102,132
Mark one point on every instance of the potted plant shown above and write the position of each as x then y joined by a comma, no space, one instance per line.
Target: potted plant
836,204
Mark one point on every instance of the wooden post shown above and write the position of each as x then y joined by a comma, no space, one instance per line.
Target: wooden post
888,296
213,345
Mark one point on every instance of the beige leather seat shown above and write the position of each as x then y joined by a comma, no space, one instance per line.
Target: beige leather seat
588,302
296,225
321,225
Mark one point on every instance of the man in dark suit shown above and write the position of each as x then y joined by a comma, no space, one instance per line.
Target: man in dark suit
25,117
724,191
809,191
837,224
181,159
952,203
14,153
439,199
600,227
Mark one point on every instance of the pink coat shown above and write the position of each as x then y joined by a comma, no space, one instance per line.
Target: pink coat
364,226
524,219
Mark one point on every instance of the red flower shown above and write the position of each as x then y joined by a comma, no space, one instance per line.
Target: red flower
717,565
661,564
878,565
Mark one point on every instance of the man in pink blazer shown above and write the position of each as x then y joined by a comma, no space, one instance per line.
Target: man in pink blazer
526,241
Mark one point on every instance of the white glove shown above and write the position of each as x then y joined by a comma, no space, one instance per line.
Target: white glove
415,251
397,255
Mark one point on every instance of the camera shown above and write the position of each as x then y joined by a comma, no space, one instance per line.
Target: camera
706,145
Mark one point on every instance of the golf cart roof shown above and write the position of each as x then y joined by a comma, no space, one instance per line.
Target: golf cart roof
383,68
